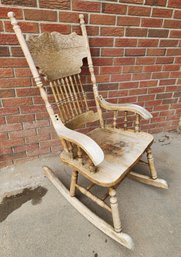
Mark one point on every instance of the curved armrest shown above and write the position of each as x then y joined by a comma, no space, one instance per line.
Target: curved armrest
92,149
125,107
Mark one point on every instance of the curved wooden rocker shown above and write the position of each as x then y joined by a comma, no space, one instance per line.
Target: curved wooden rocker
107,154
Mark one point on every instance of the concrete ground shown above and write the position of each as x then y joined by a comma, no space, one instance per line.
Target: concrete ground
39,222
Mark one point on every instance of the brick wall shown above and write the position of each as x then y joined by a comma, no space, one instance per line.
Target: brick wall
137,57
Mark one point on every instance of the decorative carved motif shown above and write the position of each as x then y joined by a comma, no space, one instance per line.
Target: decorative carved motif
57,55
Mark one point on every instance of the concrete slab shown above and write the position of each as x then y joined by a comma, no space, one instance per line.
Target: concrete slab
52,227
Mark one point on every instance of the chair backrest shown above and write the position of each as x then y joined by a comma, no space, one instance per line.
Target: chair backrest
58,58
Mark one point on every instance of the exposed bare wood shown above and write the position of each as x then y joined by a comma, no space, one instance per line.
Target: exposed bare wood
91,68
114,209
75,95
93,198
151,164
73,183
107,155
125,107
54,59
58,101
121,238
115,119
82,119
83,93
125,120
68,97
161,183
73,105
137,123
90,186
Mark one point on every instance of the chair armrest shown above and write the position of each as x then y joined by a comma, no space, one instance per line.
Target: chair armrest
91,148
125,107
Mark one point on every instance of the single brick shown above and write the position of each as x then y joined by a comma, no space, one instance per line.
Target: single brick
174,3
128,21
136,32
17,51
124,61
132,69
168,43
6,73
159,12
55,4
31,3
27,92
125,42
135,52
112,31
174,51
101,42
15,82
150,22
148,42
156,51
10,127
40,15
89,6
145,60
175,34
102,61
20,118
112,52
102,19
17,102
55,27
171,67
114,8
120,77
139,11
160,75
110,70
23,72
132,1
156,2
141,76
8,39
172,24
152,68
158,33
4,51
177,14
6,93
162,60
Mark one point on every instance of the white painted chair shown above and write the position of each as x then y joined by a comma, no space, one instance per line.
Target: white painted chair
108,153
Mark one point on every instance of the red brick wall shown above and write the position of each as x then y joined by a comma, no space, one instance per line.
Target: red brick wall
137,57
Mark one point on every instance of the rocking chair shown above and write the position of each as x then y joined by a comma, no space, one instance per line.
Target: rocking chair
108,153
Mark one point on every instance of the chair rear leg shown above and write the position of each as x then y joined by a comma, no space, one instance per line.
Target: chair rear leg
153,172
115,210
73,183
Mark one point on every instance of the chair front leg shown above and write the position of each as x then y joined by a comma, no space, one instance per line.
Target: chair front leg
115,210
73,183
153,172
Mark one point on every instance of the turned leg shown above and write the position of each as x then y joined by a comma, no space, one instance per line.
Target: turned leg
151,164
73,182
115,211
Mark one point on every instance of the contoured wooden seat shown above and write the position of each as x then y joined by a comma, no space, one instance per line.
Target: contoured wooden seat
108,153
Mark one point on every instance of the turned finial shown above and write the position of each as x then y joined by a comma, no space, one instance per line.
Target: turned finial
81,17
12,16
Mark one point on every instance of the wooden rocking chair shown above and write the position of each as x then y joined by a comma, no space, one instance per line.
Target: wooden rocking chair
107,154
